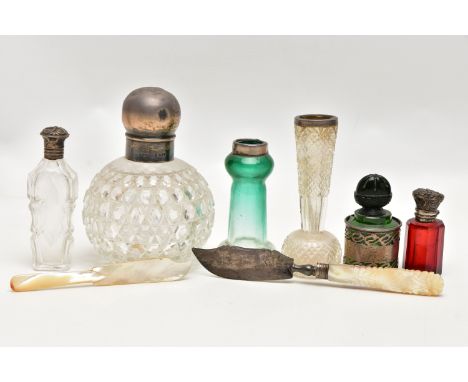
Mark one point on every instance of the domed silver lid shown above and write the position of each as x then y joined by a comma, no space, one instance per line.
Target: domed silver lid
151,112
151,116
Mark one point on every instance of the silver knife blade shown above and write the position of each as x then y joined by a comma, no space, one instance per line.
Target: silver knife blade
245,264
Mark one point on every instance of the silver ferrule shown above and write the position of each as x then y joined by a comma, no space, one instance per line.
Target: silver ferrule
321,271
426,216
249,147
144,149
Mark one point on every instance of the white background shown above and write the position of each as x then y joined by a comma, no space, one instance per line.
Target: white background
401,103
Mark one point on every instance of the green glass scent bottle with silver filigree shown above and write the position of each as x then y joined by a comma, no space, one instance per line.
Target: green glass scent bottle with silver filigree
149,204
372,234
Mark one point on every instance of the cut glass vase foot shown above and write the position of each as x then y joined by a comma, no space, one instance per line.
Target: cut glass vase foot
312,247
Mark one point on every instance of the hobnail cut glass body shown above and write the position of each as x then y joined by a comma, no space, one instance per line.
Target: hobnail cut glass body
136,210
52,193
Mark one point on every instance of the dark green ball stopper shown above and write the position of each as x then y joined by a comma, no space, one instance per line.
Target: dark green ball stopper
372,193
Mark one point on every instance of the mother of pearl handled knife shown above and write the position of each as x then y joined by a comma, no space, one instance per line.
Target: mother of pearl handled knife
263,264
132,272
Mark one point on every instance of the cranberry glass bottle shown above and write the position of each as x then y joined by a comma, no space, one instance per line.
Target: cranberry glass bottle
425,233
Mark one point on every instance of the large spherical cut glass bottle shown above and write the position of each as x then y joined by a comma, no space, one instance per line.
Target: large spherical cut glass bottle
148,204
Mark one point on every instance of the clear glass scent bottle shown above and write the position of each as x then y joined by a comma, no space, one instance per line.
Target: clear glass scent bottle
148,204
425,233
52,192
249,165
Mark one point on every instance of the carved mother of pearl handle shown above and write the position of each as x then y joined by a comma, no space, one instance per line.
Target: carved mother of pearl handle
389,279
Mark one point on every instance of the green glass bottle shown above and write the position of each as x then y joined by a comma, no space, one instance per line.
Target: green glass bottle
372,234
249,164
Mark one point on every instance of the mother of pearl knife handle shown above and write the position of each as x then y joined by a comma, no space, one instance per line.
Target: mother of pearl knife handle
132,272
389,279
39,281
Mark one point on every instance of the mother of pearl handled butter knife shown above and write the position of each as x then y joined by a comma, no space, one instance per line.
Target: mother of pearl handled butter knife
263,264
132,272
